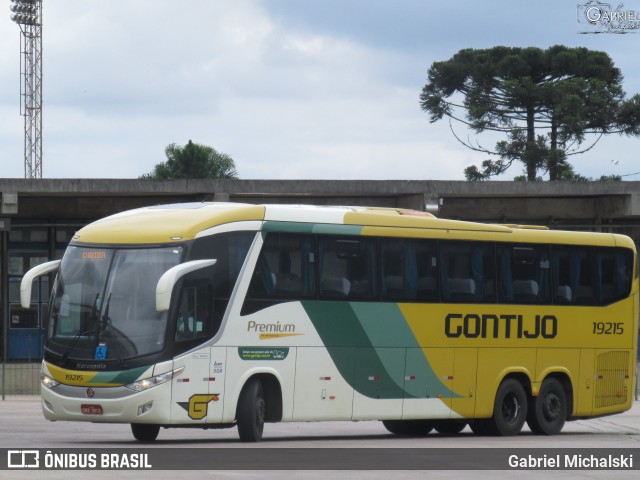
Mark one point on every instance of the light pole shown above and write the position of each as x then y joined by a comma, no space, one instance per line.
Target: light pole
28,15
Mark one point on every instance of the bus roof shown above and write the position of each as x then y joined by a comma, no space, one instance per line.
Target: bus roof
180,222
165,223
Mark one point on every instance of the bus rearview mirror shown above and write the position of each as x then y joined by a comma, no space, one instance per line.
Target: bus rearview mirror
30,276
170,277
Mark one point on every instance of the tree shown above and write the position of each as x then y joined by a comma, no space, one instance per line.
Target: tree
546,102
193,161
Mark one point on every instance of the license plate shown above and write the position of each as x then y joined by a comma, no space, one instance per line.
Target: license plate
91,409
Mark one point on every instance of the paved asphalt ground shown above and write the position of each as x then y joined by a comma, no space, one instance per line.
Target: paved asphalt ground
22,427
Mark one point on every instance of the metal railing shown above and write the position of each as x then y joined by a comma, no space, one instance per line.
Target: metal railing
20,375
22,379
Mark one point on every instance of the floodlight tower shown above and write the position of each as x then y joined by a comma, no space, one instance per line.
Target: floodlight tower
28,15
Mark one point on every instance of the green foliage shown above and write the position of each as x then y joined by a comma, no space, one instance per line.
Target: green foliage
610,178
546,102
193,161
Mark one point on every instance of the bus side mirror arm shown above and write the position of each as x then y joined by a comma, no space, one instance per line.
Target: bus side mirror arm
170,277
30,276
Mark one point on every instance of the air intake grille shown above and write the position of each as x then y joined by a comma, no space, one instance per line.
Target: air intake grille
612,374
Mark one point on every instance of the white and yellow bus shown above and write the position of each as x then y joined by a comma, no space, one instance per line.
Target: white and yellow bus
218,314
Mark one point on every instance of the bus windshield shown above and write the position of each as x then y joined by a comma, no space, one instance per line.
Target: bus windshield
104,303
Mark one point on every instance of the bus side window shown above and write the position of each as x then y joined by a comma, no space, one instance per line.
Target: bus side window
427,263
263,281
467,272
230,250
613,273
195,316
347,268
523,273
398,269
408,270
573,275
285,271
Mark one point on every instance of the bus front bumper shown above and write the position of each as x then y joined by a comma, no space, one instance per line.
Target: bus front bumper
107,404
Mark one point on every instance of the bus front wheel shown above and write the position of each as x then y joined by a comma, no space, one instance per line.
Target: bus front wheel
549,410
252,409
408,427
145,433
510,408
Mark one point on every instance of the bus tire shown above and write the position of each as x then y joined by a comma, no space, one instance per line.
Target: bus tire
408,427
145,433
548,411
252,409
510,408
449,427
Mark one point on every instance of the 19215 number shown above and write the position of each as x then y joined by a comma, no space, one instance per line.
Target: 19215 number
608,328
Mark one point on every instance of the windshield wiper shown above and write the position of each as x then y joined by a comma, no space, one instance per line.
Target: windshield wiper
106,324
80,333
105,320
69,348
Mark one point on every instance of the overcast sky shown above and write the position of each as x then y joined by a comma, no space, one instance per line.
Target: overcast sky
291,89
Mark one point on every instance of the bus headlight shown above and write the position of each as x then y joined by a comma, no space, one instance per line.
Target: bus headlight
47,381
150,382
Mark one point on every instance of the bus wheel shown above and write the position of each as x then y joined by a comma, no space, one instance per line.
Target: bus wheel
510,409
145,433
252,409
408,427
449,427
549,409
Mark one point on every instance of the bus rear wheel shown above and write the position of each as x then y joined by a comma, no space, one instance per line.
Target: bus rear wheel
252,409
145,433
510,408
548,411
408,427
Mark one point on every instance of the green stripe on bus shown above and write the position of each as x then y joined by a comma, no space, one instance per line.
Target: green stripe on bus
372,346
122,377
384,324
330,229
308,228
367,370
288,227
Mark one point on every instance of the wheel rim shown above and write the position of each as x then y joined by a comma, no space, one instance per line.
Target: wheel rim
551,407
510,408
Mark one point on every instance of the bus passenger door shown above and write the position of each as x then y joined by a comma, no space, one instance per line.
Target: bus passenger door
190,394
217,368
193,392
197,393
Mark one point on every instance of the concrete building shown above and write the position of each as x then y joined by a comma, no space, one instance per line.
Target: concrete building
39,217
